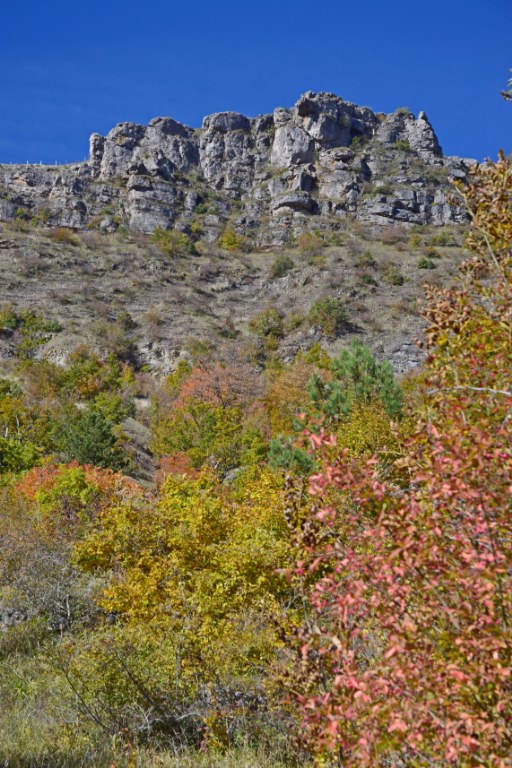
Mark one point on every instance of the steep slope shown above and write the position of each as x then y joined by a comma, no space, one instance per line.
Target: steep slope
117,292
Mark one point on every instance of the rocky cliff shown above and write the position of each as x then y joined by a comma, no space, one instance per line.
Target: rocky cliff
268,177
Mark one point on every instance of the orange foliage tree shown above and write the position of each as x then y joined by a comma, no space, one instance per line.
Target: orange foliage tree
213,417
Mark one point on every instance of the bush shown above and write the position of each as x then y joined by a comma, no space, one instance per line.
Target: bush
230,240
365,259
65,236
368,279
172,243
393,234
16,456
415,240
294,321
403,657
358,142
442,238
281,265
402,146
310,244
380,189
196,228
284,454
32,328
198,590
425,263
393,276
267,323
430,252
329,314
357,379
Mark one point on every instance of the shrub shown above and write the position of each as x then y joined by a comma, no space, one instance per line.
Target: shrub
402,146
16,456
354,247
357,397
197,587
31,327
329,314
430,252
196,228
357,379
230,240
381,189
65,236
442,238
285,454
172,243
415,240
88,439
393,276
358,142
310,244
269,322
42,216
425,263
367,279
365,259
281,265
22,214
294,321
393,234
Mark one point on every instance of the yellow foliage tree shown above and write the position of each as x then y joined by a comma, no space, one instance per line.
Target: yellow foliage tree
194,583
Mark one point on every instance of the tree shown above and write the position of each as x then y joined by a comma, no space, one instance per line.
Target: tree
405,655
212,417
88,438
357,378
193,578
356,397
16,456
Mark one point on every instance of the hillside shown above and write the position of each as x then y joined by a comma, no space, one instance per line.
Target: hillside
124,293
244,519
170,239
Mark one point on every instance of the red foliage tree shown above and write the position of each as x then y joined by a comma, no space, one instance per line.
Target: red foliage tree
405,656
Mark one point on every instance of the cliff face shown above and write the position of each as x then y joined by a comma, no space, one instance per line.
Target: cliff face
268,177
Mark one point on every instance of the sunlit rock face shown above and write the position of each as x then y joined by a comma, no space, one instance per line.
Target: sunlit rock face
302,168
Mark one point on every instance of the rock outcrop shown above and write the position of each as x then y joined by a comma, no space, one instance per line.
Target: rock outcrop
268,177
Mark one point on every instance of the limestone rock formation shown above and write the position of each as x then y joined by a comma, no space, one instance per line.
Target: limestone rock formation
268,177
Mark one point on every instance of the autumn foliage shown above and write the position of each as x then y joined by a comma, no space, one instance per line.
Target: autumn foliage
405,653
225,599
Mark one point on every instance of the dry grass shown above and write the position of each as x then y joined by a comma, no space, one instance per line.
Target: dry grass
242,758
199,292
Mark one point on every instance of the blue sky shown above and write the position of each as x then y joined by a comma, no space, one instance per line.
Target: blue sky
68,69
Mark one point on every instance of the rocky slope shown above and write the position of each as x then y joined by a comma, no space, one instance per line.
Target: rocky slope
269,177
118,293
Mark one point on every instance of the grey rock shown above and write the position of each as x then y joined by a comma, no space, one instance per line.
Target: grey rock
10,617
292,146
423,139
324,157
223,122
296,201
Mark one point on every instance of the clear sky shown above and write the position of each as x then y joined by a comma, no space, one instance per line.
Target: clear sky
68,69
